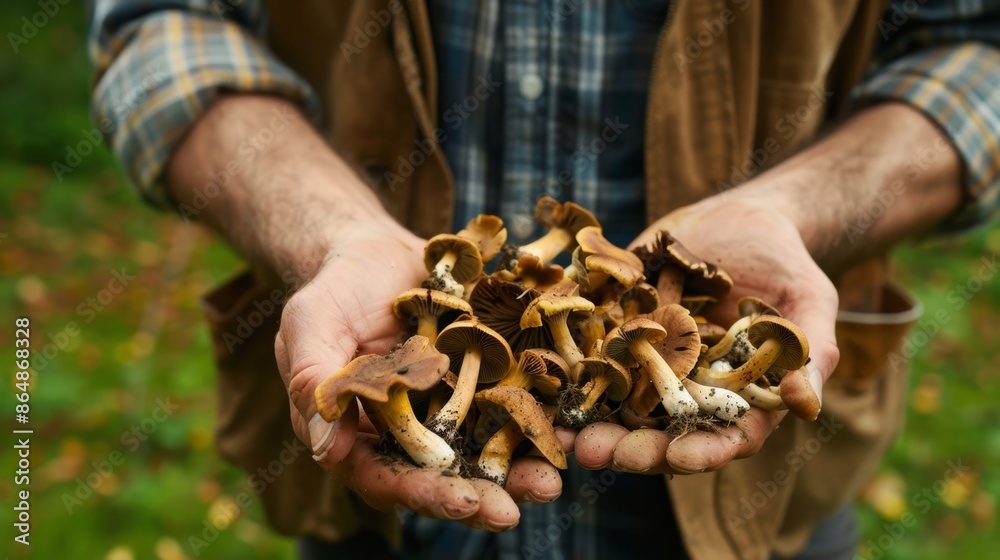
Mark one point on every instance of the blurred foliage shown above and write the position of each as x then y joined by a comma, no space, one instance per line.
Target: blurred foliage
62,240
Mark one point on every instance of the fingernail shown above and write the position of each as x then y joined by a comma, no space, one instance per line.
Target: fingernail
540,498
322,436
816,381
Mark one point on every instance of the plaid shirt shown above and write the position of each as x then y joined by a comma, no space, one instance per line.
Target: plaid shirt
566,119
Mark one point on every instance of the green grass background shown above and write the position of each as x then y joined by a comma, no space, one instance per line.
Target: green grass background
61,240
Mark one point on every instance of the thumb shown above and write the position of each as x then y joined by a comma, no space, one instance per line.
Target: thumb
814,310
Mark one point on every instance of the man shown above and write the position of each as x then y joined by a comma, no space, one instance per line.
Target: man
654,112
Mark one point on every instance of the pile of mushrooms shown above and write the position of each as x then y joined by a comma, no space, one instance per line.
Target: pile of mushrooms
493,362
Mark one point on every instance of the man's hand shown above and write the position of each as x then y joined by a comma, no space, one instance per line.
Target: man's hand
296,210
765,256
346,310
769,235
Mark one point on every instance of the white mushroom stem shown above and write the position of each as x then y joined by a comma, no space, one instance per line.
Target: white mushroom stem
675,398
442,273
495,458
721,403
548,246
722,348
565,345
752,370
454,411
763,397
426,448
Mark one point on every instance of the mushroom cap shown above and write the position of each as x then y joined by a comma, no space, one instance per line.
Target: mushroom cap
530,417
709,332
644,296
795,347
561,298
616,343
694,304
500,305
488,233
681,348
555,365
754,306
415,365
570,216
460,336
603,256
468,263
424,302
620,379
701,277
533,364
531,269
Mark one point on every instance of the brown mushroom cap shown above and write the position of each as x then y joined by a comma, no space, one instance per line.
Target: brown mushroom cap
616,344
709,332
701,277
532,271
695,304
681,348
552,303
644,296
753,306
415,365
532,363
424,302
795,347
488,233
468,262
602,256
458,337
620,380
500,305
555,365
533,421
570,216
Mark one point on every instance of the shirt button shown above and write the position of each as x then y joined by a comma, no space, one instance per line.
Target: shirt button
531,86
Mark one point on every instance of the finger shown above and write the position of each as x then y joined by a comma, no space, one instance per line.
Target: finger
801,390
595,445
709,451
332,441
497,511
814,310
643,452
533,479
384,484
567,438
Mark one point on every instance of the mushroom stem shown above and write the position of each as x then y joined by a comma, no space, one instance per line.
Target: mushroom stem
675,398
564,342
426,448
721,403
454,411
548,246
756,366
722,348
495,458
670,284
427,325
763,397
597,386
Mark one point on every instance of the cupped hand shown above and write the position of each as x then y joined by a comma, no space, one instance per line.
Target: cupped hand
764,253
344,311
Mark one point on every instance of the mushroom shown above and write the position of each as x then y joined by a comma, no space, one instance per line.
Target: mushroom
480,355
631,345
527,420
680,349
425,307
488,233
593,329
735,347
533,273
451,261
499,305
562,221
779,343
710,333
721,403
642,298
767,398
696,303
531,372
598,377
675,271
382,384
603,260
553,308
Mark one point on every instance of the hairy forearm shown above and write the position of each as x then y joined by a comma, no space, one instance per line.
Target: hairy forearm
254,169
885,175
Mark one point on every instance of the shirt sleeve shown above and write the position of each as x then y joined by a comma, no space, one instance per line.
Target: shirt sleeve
160,65
942,57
